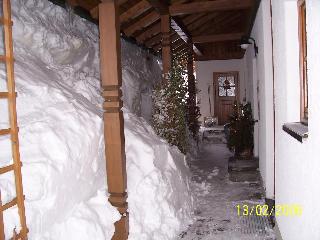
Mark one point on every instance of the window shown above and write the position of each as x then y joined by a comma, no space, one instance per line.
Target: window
303,61
299,130
227,86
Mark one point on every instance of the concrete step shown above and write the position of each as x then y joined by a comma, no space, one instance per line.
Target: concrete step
244,176
243,165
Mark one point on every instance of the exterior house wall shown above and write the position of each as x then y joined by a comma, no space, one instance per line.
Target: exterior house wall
297,164
262,82
204,78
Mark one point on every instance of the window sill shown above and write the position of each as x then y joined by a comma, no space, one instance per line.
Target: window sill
297,130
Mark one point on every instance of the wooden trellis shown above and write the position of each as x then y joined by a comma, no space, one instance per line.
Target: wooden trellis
10,95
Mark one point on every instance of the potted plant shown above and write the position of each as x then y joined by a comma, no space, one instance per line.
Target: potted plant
240,131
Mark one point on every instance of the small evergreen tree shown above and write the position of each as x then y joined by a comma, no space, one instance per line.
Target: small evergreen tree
241,129
170,104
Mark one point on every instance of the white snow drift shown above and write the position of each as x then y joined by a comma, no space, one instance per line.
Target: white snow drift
61,135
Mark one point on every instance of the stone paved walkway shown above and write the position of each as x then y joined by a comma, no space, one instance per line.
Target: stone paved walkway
217,198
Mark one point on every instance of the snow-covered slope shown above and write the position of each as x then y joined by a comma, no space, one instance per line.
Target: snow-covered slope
61,135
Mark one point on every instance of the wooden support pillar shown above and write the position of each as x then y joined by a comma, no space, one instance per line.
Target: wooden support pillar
190,68
2,237
111,77
192,116
166,45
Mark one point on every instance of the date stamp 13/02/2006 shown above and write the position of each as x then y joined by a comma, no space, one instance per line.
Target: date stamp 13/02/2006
288,210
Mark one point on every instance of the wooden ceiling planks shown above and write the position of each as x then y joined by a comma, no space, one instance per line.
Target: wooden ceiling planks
135,11
188,19
214,25
200,22
142,23
209,6
217,24
149,32
217,37
221,51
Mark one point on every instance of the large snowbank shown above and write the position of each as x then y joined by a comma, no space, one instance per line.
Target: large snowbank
61,135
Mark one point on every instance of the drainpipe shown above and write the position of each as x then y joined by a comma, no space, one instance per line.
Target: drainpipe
271,202
274,107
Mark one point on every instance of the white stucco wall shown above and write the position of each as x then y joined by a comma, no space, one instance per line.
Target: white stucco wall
204,76
297,164
262,97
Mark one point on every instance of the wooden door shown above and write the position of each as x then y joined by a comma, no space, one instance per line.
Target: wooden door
226,92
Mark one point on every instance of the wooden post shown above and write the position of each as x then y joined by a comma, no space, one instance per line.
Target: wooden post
2,237
191,79
191,88
165,43
113,117
190,61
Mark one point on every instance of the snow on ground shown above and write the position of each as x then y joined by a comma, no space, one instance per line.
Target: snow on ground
61,135
217,198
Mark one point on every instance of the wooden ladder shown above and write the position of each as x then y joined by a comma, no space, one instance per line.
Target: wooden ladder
13,130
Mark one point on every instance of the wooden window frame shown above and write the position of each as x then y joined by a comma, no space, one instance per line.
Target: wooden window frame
303,62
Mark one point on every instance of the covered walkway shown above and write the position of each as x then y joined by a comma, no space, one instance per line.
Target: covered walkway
217,198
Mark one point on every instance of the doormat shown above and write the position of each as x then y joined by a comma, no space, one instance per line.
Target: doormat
258,226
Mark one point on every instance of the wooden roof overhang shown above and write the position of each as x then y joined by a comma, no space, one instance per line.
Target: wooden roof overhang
215,27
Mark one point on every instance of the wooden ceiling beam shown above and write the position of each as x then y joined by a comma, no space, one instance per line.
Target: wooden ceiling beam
209,6
150,32
162,6
135,11
142,23
217,37
182,31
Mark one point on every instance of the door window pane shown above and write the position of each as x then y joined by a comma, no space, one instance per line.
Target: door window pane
231,92
231,80
222,92
221,80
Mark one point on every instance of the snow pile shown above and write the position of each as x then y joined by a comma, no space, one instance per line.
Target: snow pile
61,140
159,198
140,73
